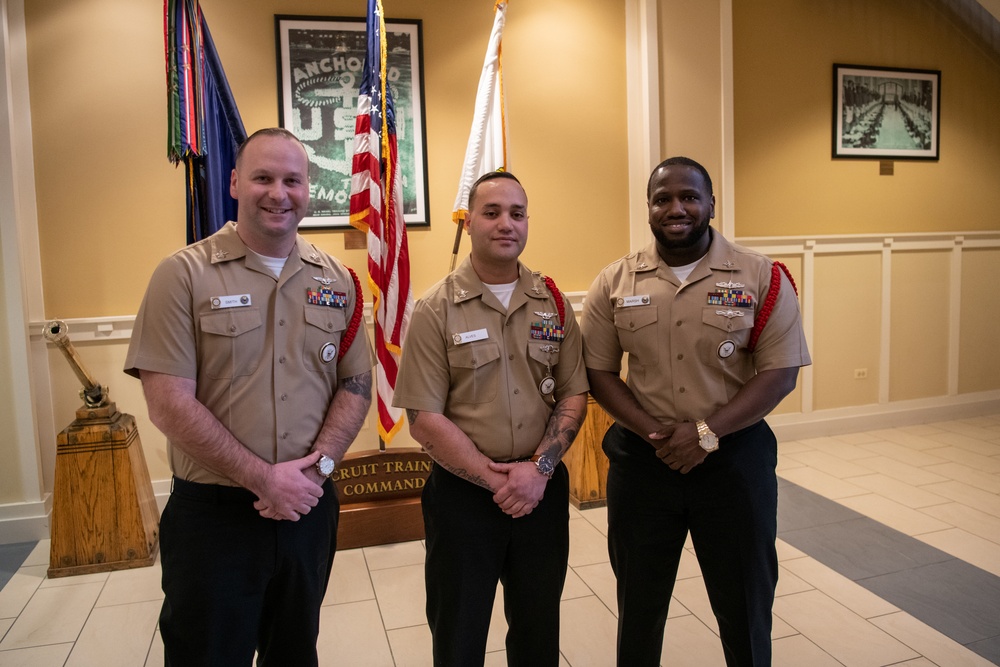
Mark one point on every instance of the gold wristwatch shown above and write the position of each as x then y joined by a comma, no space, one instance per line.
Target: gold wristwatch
706,438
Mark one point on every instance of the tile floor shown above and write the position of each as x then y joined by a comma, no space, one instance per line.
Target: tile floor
889,547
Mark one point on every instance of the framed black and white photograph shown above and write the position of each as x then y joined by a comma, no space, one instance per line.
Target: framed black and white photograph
320,65
886,113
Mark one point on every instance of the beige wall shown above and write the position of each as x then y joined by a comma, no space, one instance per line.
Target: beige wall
110,205
980,358
786,181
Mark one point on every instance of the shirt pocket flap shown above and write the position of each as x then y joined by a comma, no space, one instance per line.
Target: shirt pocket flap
230,322
727,319
327,319
636,317
473,355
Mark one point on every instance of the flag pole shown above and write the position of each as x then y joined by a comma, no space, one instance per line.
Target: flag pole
459,226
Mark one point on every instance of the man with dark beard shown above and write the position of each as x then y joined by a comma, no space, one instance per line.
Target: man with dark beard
714,341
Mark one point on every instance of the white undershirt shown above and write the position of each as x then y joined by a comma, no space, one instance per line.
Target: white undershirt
502,292
273,264
682,272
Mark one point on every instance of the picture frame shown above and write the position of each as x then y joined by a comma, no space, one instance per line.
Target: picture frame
320,61
886,113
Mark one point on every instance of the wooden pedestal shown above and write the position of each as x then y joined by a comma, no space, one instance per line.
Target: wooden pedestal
586,461
379,495
104,515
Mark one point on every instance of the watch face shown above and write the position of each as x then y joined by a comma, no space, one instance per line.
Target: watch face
325,466
545,466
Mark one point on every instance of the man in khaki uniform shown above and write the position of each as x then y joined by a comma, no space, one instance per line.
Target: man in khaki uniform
255,364
714,341
494,387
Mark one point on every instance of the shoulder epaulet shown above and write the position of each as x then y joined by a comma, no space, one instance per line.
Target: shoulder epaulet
772,297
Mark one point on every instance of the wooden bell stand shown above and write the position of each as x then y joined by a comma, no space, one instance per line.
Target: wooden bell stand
104,514
586,461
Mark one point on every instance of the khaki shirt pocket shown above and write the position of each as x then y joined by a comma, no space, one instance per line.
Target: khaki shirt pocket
637,333
725,338
475,372
324,331
231,342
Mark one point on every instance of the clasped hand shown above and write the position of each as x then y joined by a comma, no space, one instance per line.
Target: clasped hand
522,491
291,489
678,446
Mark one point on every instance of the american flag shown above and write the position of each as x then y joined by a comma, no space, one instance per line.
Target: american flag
377,210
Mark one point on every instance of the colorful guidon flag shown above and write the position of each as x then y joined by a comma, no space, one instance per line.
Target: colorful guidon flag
377,210
204,128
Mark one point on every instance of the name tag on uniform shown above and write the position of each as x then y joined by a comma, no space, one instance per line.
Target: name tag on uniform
629,301
230,301
469,336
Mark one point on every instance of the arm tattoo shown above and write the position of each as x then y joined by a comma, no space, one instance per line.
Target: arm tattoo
560,432
411,416
359,385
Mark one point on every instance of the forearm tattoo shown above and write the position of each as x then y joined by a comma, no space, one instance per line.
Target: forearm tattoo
561,431
359,385
411,416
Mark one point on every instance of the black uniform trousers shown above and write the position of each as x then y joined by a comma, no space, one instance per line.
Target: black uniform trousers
472,544
729,504
235,582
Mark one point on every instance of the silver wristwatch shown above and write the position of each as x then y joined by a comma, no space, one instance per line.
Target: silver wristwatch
545,465
325,466
706,438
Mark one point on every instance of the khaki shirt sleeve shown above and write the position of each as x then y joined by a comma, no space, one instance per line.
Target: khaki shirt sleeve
424,376
602,351
570,373
782,342
163,336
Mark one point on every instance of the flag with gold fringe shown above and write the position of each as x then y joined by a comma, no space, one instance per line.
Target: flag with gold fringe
377,210
487,147
204,128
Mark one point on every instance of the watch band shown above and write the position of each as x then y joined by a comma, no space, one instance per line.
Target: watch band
706,437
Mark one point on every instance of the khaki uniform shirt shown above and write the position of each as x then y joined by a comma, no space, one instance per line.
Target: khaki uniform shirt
470,359
687,343
264,358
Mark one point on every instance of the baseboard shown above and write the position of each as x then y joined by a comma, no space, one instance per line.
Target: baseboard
798,426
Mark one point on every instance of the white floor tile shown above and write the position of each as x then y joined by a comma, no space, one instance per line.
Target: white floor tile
968,519
688,642
394,555
587,632
929,642
155,656
349,579
797,651
401,596
117,636
587,545
141,584
352,634
827,623
53,655
967,495
601,580
901,492
858,599
973,549
905,520
52,616
411,647
20,588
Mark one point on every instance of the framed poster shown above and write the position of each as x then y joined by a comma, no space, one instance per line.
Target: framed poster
320,63
886,113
